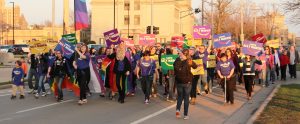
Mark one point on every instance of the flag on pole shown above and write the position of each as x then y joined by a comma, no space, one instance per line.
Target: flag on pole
81,15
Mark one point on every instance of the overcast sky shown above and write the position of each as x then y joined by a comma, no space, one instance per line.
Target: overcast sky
38,11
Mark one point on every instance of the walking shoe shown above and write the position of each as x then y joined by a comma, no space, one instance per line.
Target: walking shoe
193,101
22,97
185,117
13,97
80,102
36,95
49,92
31,91
206,91
43,94
146,101
84,101
35,91
178,114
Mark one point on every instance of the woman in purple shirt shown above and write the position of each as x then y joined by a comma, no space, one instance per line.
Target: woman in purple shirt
83,71
147,67
225,69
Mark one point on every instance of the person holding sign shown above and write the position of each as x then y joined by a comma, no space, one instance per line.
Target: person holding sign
268,66
196,76
248,69
202,53
184,78
147,67
225,69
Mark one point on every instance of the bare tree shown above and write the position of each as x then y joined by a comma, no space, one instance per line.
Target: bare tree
293,7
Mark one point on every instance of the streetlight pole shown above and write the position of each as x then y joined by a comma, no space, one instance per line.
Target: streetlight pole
13,3
242,21
53,18
114,14
151,17
202,9
212,21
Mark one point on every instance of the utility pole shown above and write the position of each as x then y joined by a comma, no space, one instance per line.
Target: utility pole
114,14
212,21
66,17
53,18
242,21
202,9
13,14
151,17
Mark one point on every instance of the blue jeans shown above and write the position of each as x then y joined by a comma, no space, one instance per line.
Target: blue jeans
146,83
41,84
183,91
59,81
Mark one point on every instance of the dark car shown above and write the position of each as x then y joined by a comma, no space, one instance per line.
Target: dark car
19,49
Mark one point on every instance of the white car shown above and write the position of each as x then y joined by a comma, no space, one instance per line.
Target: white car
5,48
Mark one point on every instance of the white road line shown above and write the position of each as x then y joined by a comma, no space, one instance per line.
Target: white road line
153,115
9,94
44,106
5,119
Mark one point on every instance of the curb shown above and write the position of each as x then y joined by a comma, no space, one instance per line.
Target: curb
263,105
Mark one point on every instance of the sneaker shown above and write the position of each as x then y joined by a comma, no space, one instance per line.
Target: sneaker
185,117
13,97
80,102
146,101
36,95
34,91
206,91
60,99
88,94
22,97
43,94
31,91
84,101
178,114
49,92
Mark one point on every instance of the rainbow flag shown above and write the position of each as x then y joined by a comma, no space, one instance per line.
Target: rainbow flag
96,85
81,15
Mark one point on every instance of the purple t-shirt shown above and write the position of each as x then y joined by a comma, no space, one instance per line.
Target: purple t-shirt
147,67
225,67
17,75
203,56
83,63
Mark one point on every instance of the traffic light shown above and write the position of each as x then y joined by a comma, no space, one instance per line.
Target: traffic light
155,30
197,10
148,29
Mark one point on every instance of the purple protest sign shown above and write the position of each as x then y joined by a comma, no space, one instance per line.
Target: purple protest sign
202,32
112,37
222,40
252,48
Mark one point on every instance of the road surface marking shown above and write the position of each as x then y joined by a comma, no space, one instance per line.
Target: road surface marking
44,106
5,119
153,115
9,94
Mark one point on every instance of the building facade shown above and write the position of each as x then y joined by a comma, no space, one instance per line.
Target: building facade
7,16
133,16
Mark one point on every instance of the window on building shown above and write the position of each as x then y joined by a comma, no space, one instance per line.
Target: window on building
127,5
126,20
137,20
137,4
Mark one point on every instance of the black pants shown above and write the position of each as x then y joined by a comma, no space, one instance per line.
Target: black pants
210,75
160,76
283,72
134,77
83,76
88,78
249,84
277,70
166,84
146,83
292,69
230,85
120,80
194,86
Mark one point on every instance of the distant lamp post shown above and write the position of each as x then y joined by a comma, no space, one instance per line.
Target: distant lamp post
30,37
191,12
13,3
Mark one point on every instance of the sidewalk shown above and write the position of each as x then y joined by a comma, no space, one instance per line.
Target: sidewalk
243,114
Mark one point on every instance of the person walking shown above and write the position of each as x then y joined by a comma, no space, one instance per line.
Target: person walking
17,81
294,60
184,78
284,61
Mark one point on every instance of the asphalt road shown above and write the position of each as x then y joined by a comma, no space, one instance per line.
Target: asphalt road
209,109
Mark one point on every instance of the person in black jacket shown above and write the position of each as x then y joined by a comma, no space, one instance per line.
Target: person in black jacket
122,70
32,72
184,78
58,71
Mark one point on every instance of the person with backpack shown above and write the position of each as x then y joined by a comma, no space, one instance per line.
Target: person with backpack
184,78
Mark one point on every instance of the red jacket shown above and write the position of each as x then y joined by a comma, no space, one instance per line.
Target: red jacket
284,60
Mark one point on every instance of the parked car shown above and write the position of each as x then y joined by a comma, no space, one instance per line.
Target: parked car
19,49
5,48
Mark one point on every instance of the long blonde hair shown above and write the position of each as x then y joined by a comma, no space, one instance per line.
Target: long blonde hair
120,53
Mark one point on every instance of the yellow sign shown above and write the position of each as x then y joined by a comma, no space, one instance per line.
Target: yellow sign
211,62
200,69
37,47
193,42
51,45
273,43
